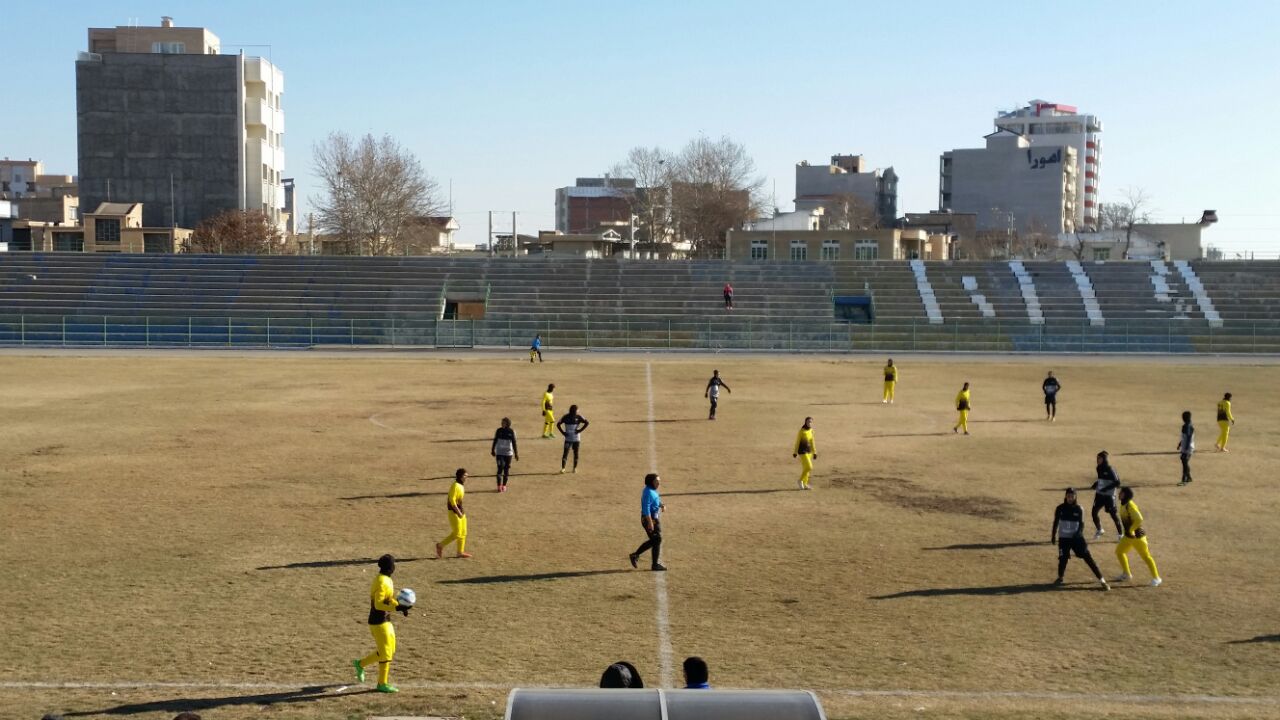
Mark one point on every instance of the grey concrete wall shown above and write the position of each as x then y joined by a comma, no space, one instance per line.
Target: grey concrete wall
818,180
142,117
1009,178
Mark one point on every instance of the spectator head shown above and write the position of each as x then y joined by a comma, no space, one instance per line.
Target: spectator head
651,480
695,672
1186,416
1226,396
1126,494
808,422
551,387
1069,496
621,674
716,373
890,362
460,476
506,422
966,386
1102,457
1050,373
573,409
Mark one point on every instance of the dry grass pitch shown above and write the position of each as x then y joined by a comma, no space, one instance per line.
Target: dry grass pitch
209,521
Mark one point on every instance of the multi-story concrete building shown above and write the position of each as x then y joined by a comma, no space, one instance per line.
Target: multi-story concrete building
832,186
1053,124
591,201
164,120
833,245
1011,185
37,195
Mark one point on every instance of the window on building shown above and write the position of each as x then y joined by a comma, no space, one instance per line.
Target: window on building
1101,254
169,48
68,242
759,249
107,230
830,249
799,251
866,250
156,243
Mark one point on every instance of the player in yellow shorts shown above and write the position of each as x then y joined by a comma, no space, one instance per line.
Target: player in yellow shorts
807,450
548,412
457,517
1135,538
962,406
382,602
1225,421
890,382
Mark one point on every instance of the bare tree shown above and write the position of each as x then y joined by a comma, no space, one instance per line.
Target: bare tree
846,211
714,189
236,232
1036,240
1134,209
375,193
650,202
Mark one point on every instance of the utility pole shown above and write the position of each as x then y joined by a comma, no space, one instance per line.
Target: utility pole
513,233
489,239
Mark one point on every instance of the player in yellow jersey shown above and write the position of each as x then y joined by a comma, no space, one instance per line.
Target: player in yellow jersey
1225,421
890,382
457,517
382,602
962,406
548,412
1135,538
807,450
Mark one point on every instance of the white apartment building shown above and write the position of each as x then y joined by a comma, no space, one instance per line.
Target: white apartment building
1054,124
264,138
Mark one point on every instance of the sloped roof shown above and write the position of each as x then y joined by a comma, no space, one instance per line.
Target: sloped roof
109,208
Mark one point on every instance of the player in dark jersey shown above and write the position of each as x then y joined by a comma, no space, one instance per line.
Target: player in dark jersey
571,426
1104,496
505,450
1068,532
1051,386
713,391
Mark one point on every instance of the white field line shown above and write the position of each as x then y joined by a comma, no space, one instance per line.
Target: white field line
337,687
665,654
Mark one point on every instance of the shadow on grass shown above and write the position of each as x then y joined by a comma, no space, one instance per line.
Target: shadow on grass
988,591
889,435
1025,420
334,563
731,492
1258,639
1140,454
562,575
394,496
988,546
178,705
462,440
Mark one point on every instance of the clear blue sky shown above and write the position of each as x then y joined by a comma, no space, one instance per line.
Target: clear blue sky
510,100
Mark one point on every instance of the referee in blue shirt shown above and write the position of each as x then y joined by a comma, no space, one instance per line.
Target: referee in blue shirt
650,507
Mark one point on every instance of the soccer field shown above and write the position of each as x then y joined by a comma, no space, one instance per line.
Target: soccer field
198,530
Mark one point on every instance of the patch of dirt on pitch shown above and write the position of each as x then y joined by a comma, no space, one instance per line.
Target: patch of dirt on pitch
910,496
48,450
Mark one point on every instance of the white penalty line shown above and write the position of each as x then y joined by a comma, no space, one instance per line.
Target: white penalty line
338,687
665,653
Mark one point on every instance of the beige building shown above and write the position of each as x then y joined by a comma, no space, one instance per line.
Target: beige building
1149,241
578,245
112,228
37,195
832,245
165,39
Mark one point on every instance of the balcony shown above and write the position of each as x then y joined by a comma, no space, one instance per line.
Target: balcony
257,112
257,69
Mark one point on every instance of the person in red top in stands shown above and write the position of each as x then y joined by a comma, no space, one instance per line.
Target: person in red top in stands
728,296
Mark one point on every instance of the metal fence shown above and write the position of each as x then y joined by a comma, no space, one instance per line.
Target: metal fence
712,333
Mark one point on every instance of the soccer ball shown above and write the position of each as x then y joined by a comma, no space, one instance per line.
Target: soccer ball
406,598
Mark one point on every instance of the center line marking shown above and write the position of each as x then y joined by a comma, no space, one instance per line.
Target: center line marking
665,653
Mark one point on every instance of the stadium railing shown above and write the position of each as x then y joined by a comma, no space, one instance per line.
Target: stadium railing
713,333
